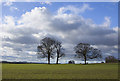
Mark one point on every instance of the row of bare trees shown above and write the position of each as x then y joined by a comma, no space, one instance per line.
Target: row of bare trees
49,48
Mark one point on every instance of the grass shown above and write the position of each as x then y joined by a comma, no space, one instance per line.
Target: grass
61,71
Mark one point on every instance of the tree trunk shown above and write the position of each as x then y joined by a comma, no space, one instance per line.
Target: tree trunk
85,60
48,58
57,61
57,57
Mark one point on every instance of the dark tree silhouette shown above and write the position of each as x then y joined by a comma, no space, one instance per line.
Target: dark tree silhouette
86,52
71,62
46,48
111,59
59,50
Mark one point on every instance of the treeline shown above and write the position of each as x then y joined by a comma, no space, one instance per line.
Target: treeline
21,62
111,59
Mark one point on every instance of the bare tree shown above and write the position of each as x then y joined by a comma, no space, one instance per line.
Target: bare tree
59,50
86,52
46,48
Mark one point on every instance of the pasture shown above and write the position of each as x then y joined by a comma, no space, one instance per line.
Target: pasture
60,71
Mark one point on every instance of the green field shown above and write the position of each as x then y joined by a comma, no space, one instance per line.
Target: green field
61,71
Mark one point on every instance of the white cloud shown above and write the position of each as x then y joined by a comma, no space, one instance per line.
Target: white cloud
107,22
85,7
32,53
70,28
74,10
116,46
9,23
9,20
116,29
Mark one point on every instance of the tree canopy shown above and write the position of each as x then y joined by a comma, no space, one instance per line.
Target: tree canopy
46,48
49,47
86,52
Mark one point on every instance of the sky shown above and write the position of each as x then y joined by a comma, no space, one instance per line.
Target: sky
24,24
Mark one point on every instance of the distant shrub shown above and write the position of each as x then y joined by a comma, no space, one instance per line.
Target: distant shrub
111,59
102,62
71,62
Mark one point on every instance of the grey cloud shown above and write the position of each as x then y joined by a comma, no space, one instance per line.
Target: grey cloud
60,24
75,29
26,39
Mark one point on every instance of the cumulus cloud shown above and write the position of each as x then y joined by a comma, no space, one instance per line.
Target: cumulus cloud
71,28
107,22
116,29
74,10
